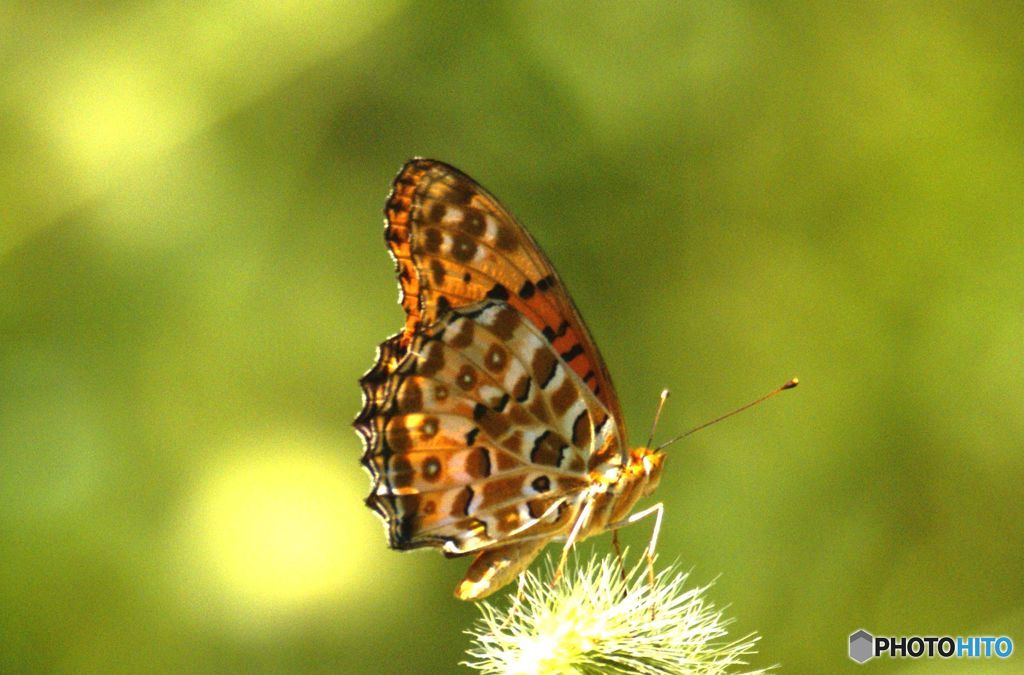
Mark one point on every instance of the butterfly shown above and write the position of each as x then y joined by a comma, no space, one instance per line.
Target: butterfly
490,423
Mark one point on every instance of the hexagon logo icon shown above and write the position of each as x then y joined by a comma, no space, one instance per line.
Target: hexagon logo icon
862,646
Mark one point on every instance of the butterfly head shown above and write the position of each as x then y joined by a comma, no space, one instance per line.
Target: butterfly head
647,463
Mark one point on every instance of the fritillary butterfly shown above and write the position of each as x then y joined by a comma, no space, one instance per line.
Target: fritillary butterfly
490,423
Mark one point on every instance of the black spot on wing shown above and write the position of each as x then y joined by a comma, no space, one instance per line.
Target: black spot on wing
552,334
498,292
485,462
580,427
573,352
443,305
403,532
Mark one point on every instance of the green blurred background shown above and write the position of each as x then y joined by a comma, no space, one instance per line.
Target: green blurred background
193,277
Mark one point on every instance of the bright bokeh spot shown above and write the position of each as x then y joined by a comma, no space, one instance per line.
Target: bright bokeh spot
273,529
122,114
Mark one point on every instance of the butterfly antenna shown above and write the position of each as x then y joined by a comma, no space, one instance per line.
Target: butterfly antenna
788,385
657,416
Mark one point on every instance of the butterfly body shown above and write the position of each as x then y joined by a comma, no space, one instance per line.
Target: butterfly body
611,495
490,423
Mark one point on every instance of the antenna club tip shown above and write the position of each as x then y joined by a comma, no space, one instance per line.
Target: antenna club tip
664,393
792,383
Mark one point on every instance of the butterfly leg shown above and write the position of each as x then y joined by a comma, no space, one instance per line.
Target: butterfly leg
618,556
517,602
581,520
658,510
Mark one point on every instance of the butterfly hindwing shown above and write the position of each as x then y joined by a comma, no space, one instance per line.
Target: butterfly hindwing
480,434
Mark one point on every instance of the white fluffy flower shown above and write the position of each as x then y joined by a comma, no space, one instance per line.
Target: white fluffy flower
593,621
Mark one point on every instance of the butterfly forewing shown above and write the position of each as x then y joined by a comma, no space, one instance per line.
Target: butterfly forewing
456,245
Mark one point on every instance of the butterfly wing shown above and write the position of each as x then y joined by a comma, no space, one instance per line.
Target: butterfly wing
483,417
480,435
455,245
